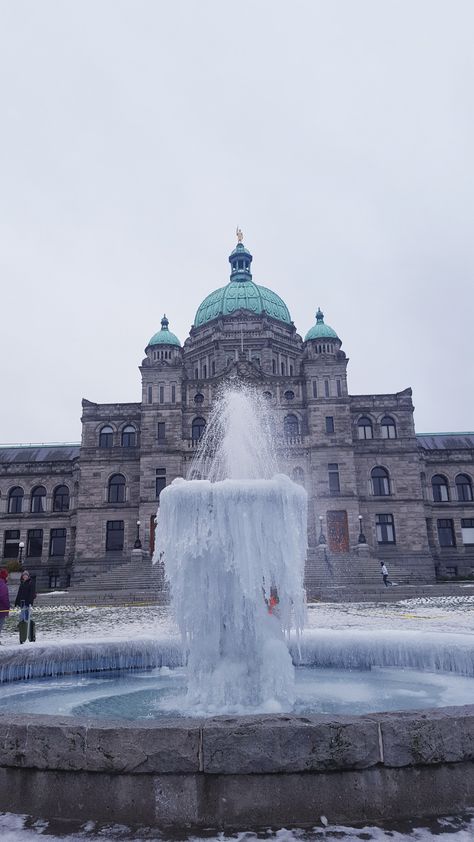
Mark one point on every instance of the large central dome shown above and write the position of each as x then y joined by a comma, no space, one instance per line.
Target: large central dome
241,293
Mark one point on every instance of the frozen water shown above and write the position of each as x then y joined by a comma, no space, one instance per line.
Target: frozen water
233,543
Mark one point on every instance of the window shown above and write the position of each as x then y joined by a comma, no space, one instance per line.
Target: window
326,388
291,371
298,475
117,489
15,501
289,395
267,396
57,542
11,543
53,580
329,424
150,394
197,428
114,539
315,388
467,529
199,398
173,393
339,388
446,533
282,366
34,544
388,428
161,430
160,481
106,437
364,428
196,372
464,488
38,499
129,436
213,367
61,499
291,426
385,529
204,372
380,482
333,473
274,366
440,488
162,394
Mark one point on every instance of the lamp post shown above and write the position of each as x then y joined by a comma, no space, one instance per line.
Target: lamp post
362,539
138,544
21,547
321,539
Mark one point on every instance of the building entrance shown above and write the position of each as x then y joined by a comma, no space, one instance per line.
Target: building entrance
338,531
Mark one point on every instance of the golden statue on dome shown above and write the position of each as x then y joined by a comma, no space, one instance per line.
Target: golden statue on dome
240,236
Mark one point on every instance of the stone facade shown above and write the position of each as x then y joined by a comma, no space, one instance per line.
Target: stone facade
367,473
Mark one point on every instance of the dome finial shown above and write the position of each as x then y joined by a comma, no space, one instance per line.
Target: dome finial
319,316
239,234
164,322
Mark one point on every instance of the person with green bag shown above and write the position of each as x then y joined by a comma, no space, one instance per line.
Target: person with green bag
24,600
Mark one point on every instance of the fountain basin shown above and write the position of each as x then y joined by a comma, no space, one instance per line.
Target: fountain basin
241,771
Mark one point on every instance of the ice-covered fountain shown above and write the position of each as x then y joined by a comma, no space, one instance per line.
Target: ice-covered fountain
231,541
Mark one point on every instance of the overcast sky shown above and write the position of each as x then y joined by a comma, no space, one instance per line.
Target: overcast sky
136,135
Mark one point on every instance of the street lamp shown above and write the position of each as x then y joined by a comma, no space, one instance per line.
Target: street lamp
362,539
321,539
21,547
138,544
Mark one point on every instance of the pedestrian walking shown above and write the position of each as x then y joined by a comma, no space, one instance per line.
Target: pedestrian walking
4,597
384,572
24,601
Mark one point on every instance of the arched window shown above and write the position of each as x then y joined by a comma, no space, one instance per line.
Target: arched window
380,482
117,489
15,500
440,488
199,398
291,426
61,499
298,475
197,428
387,425
267,396
289,395
106,437
464,488
364,428
38,497
129,436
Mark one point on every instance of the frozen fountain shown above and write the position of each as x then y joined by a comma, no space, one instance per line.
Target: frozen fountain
233,542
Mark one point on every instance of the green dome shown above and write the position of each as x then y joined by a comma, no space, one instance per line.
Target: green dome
241,293
320,330
164,336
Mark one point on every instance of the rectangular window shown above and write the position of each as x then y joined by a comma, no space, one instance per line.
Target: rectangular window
173,393
446,532
115,533
160,481
326,388
150,394
333,472
57,542
213,367
315,388
34,545
53,580
467,529
339,388
11,543
385,529
162,394
161,430
329,424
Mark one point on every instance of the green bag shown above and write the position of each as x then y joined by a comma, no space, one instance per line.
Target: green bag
32,631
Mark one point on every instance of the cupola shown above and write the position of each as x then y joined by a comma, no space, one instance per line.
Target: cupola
164,336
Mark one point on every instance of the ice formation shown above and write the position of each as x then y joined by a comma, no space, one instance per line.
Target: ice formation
231,543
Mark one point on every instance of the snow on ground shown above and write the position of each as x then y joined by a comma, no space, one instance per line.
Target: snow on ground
74,622
22,829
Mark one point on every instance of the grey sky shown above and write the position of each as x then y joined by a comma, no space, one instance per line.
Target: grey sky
136,136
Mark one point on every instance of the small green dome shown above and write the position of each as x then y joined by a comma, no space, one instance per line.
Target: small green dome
241,293
164,336
320,330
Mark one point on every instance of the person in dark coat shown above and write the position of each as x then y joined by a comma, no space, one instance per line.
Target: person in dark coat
4,597
26,592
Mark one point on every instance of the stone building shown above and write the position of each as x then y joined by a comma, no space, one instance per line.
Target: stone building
376,488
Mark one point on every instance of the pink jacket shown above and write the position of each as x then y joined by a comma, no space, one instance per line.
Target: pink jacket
4,599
